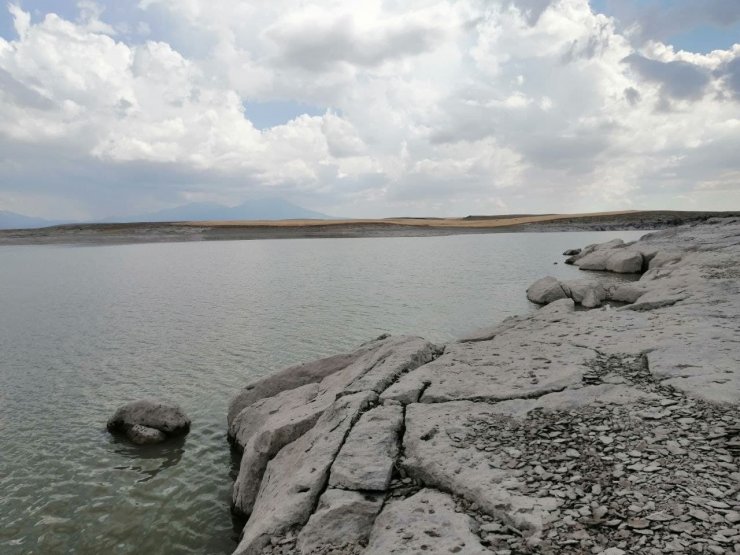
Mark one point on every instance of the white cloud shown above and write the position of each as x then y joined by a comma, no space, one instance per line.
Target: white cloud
431,106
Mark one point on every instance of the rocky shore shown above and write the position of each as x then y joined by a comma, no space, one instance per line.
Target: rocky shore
157,232
611,431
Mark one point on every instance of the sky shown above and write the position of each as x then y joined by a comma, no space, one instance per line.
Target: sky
369,108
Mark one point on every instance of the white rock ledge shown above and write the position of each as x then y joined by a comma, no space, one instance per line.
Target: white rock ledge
558,432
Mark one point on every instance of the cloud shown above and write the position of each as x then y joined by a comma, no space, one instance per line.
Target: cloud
678,79
427,107
317,41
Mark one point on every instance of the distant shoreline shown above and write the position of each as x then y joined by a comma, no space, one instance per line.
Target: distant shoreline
157,232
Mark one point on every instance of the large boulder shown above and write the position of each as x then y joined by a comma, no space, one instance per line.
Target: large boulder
624,261
149,421
546,290
587,294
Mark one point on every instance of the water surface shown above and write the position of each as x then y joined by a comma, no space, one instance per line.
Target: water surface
85,329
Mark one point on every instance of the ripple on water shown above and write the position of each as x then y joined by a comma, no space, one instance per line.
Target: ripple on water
83,330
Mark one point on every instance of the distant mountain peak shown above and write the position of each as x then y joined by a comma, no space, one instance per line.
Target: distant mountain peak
257,209
13,220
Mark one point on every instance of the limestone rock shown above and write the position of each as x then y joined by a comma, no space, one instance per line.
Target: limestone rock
624,261
595,261
296,476
366,459
165,417
266,427
586,293
571,252
342,518
626,292
436,454
296,376
424,523
546,290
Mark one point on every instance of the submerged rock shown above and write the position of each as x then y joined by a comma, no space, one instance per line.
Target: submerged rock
149,421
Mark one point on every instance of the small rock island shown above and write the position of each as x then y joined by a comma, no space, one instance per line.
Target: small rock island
149,421
607,431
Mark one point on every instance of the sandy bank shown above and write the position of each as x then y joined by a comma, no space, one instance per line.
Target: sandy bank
295,229
612,430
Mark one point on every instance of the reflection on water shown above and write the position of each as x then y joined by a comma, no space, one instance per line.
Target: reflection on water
149,460
84,330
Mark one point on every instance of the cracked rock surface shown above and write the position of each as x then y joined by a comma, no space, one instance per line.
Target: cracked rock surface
608,431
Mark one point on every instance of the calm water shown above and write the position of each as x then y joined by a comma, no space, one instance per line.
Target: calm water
85,329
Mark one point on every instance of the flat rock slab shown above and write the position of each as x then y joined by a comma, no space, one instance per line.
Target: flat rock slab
342,521
366,459
509,366
296,476
440,454
424,523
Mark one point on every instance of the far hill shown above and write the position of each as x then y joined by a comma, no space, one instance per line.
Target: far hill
261,209
13,220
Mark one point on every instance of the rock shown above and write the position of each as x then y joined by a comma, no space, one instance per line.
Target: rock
296,476
516,366
342,518
571,252
366,459
263,429
296,376
586,293
559,431
626,292
624,261
143,435
434,457
424,523
596,261
149,415
546,290
253,418
663,259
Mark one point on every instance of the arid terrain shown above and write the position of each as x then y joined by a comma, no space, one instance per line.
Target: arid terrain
147,232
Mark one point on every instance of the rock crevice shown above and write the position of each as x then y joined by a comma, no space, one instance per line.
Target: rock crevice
602,431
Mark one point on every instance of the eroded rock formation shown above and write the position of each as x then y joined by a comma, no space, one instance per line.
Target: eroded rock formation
613,430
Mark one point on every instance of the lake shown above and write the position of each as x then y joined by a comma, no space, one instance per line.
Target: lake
86,329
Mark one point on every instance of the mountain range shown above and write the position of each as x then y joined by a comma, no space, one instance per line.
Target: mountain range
12,220
260,209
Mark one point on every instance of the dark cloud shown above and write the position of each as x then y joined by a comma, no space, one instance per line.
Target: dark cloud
21,94
632,95
678,80
531,9
319,47
731,74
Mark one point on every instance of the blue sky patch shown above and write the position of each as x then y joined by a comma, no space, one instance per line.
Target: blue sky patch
264,115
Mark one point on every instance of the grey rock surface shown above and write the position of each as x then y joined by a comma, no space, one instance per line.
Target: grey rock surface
546,290
143,435
612,430
367,457
424,523
624,261
343,519
295,478
149,416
